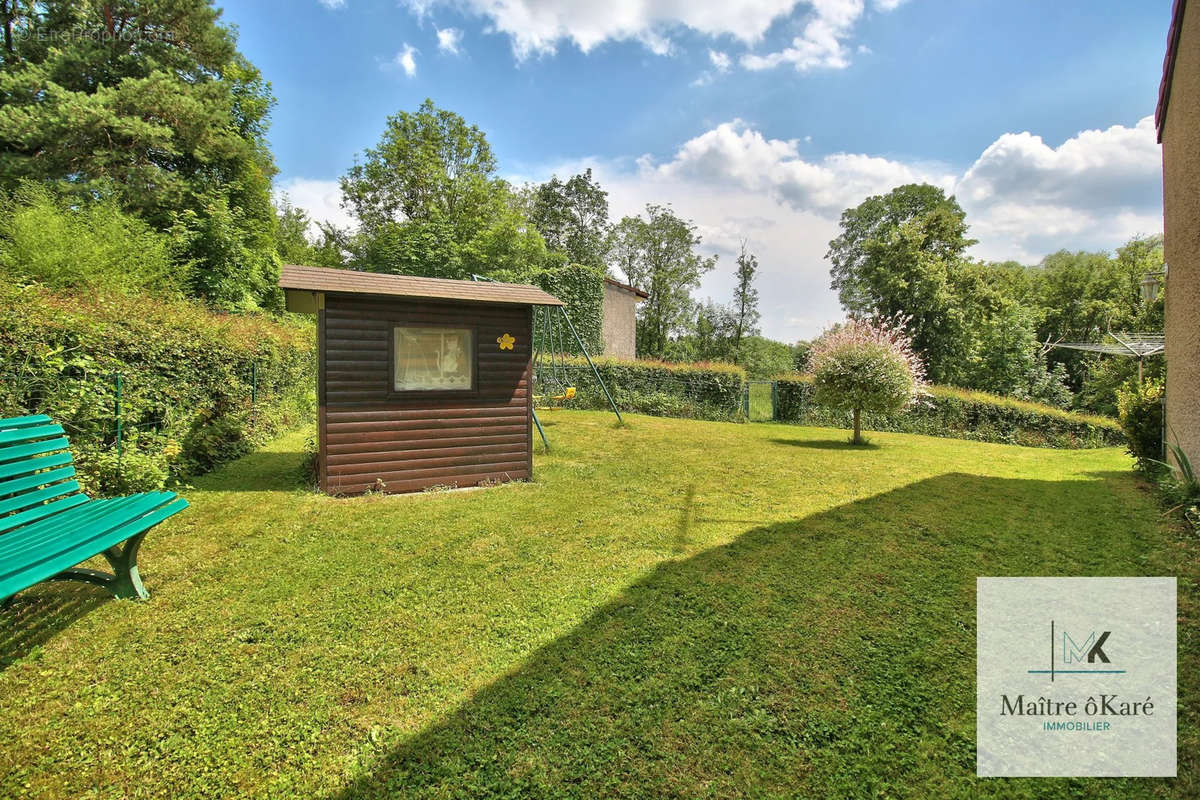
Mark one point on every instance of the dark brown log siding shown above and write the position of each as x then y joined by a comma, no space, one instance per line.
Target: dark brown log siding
412,442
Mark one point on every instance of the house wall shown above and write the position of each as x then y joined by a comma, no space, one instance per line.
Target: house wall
416,441
1181,212
620,322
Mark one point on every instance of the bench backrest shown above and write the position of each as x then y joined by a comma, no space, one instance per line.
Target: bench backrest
36,471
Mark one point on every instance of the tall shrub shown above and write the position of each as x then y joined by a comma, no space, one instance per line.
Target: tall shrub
71,245
865,365
1141,413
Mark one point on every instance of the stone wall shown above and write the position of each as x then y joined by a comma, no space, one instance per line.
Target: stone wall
620,322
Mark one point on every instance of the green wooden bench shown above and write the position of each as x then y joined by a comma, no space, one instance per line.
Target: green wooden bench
48,527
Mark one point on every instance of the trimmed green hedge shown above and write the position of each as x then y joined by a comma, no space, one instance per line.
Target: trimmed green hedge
187,376
690,391
960,414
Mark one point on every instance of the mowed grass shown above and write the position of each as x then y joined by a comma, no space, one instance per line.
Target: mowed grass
673,609
762,405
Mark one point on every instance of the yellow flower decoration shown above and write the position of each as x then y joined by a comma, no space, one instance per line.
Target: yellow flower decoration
506,341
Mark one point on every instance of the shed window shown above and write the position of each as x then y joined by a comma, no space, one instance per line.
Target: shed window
432,359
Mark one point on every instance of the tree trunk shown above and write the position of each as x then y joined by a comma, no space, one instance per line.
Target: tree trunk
857,427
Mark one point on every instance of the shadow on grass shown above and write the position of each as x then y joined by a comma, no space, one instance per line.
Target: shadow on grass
829,656
825,444
264,471
36,615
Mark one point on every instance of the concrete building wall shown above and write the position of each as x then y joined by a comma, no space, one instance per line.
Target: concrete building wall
620,322
1181,212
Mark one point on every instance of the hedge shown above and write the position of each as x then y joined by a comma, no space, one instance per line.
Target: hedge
959,414
690,391
187,378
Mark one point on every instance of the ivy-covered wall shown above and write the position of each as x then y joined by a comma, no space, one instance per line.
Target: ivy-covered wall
197,388
582,289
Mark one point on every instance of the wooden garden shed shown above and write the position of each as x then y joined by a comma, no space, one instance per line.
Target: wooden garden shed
421,382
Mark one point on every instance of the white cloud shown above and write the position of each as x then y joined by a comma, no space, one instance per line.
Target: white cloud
333,5
1025,197
406,60
721,61
449,40
322,199
537,27
822,42
735,154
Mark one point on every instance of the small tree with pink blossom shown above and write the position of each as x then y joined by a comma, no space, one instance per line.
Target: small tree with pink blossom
866,365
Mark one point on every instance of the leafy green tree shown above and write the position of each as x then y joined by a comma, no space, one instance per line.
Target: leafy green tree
657,252
713,334
745,299
428,202
1080,294
149,102
902,253
294,243
572,217
764,358
800,352
429,165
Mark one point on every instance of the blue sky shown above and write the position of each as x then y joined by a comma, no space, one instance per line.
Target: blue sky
755,118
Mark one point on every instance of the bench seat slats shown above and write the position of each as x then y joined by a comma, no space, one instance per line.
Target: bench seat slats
48,526
35,480
28,465
25,422
24,451
77,550
18,435
33,498
80,519
39,512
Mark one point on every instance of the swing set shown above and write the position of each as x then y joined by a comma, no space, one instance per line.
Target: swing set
552,383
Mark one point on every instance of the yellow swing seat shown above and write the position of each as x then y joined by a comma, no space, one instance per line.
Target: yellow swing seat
568,394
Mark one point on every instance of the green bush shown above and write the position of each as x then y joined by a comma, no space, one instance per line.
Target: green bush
689,391
94,246
1141,413
186,372
960,414
763,357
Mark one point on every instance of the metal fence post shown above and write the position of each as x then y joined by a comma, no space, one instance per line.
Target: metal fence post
774,401
117,411
746,399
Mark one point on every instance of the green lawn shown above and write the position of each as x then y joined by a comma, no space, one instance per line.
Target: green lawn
673,609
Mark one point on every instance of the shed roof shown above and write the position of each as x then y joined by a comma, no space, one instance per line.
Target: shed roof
632,289
1164,88
348,281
